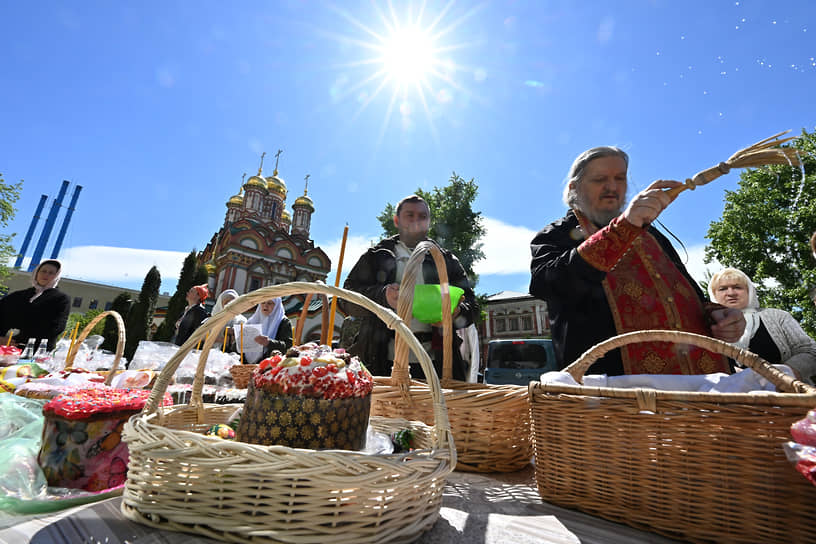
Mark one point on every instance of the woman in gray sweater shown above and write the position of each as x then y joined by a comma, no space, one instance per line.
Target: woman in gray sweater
773,334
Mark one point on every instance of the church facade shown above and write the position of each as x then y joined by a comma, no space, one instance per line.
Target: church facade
260,243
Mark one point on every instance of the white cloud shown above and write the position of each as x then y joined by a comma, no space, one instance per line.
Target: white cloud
120,266
695,265
506,248
355,247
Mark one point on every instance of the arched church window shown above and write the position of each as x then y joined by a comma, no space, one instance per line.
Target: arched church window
249,242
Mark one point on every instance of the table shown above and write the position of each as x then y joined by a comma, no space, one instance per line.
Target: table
476,509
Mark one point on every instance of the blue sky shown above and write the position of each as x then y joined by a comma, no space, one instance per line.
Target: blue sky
158,108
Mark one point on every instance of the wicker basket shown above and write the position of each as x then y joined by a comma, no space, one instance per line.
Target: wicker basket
490,423
241,374
120,343
703,467
181,480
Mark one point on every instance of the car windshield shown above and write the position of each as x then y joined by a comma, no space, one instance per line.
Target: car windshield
517,355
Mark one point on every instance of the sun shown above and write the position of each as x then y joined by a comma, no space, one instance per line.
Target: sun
409,56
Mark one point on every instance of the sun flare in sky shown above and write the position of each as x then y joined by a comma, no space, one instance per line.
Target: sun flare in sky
407,57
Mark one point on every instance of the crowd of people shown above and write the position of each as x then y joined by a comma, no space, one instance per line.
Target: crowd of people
602,269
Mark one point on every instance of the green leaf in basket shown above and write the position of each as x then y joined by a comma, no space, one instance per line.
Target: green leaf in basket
428,302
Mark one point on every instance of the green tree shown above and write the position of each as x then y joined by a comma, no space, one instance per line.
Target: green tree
121,305
190,274
454,224
765,229
141,313
83,320
9,194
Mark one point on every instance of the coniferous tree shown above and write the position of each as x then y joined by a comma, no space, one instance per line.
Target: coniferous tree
121,305
177,303
141,314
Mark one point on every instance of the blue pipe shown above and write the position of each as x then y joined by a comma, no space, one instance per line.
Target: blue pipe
65,221
33,225
49,224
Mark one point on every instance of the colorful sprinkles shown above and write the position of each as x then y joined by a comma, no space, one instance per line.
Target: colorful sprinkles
85,403
315,371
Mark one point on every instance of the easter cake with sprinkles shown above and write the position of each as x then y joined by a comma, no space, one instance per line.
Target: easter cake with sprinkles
312,397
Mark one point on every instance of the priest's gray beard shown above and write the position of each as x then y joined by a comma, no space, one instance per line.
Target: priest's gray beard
600,218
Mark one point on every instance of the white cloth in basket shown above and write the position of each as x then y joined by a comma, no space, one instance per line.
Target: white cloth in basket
743,381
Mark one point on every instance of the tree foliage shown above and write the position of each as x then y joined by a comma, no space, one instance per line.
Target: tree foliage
765,231
121,305
190,275
9,194
83,320
454,224
141,313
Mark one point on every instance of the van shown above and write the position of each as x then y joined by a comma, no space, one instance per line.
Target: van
519,361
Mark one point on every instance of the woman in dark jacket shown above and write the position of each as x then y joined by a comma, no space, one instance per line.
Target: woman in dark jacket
41,311
194,314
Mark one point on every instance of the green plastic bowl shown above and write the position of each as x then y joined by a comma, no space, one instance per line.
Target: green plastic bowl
428,302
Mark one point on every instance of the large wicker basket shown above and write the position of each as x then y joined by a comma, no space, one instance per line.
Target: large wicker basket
703,467
490,423
120,343
181,480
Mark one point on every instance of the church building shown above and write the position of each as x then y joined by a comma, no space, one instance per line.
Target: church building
260,243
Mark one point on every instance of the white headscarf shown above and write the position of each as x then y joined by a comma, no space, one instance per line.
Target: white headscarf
270,323
40,289
750,312
219,305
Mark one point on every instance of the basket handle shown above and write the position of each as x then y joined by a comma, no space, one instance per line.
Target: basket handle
400,372
120,344
783,382
218,321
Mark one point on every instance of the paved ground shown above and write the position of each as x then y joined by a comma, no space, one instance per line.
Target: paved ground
476,509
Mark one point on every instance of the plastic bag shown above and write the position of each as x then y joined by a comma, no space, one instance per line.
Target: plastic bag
21,427
802,452
23,484
152,355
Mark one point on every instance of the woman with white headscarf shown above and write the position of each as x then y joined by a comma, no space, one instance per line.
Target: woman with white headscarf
773,334
223,299
276,329
41,311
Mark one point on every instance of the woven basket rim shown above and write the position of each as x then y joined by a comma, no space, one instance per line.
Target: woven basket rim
795,391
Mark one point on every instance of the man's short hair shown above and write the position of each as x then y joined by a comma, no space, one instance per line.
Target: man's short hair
413,199
579,166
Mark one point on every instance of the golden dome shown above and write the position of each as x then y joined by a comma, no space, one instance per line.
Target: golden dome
235,201
304,201
285,217
256,181
276,184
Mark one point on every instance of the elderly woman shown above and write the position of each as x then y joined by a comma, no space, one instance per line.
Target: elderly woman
223,299
194,315
276,329
41,311
772,334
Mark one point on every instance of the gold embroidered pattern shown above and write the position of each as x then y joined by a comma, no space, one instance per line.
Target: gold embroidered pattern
653,364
